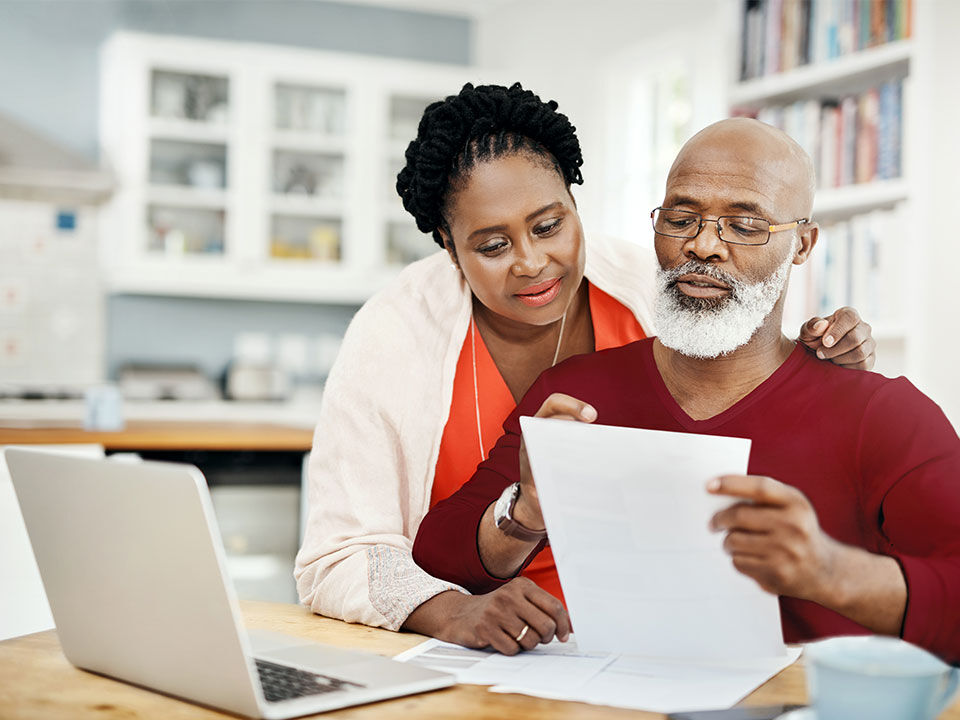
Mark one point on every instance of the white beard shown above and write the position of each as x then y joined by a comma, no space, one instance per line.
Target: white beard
706,329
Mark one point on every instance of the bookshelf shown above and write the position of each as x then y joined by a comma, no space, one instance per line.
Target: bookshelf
864,67
836,75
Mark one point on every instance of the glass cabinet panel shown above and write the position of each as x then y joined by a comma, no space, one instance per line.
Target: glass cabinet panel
189,164
189,96
306,238
306,173
310,109
178,231
405,243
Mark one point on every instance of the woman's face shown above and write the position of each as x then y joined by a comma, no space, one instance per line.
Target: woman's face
517,238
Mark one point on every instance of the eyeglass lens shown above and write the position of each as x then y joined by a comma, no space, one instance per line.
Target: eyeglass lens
686,224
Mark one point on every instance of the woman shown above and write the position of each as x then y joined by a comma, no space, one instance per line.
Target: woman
431,366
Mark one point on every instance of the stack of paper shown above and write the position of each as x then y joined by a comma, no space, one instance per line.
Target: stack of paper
562,672
663,620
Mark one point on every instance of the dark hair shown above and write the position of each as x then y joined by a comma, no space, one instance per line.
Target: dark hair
478,124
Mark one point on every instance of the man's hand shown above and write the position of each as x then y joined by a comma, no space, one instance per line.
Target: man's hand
842,338
774,537
562,407
494,620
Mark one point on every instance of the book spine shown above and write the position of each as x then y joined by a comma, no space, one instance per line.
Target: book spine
828,145
848,141
780,35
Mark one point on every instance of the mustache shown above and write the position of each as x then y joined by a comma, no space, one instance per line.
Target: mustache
670,277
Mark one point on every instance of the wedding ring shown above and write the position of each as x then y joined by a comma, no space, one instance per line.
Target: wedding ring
523,633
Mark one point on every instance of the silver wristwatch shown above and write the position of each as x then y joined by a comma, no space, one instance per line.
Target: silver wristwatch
503,517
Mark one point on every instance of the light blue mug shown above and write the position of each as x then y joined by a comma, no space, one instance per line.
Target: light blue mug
877,678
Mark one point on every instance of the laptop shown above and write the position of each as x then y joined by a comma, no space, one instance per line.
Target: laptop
134,569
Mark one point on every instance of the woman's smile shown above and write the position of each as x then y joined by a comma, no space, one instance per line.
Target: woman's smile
540,294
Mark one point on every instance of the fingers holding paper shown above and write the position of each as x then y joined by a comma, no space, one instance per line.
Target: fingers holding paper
560,407
773,536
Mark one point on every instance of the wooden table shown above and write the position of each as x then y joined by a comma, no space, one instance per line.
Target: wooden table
37,682
169,435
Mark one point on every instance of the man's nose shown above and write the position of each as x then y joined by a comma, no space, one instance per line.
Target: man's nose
707,245
530,260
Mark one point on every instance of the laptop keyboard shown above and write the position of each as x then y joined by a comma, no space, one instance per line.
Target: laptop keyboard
282,682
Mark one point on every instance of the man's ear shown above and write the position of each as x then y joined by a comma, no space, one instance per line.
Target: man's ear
809,234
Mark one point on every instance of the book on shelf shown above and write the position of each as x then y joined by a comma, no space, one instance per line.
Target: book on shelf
780,35
852,139
855,262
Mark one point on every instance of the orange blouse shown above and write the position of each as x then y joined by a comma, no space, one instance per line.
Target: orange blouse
613,325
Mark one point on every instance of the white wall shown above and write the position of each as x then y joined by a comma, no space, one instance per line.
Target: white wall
570,51
937,187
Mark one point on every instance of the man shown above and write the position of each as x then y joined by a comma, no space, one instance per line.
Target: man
851,510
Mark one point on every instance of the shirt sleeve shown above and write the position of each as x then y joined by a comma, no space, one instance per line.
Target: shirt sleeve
355,563
908,443
446,543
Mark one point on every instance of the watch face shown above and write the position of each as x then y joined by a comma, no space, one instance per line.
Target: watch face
501,509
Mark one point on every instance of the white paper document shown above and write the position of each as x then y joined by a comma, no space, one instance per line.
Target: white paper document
663,620
560,671
627,514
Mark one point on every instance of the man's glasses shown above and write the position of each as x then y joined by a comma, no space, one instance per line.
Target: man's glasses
730,228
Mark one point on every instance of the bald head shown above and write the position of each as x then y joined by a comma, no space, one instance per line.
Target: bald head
757,157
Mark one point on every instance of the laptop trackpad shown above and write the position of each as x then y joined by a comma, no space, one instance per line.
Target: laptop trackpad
262,641
285,649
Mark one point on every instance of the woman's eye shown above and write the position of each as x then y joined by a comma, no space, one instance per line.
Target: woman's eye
492,248
547,228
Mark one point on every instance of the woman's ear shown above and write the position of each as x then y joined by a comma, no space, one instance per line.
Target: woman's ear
449,247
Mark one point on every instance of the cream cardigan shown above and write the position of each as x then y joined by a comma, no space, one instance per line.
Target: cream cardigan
384,408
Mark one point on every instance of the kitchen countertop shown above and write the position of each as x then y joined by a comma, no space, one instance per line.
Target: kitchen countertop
302,411
160,435
173,425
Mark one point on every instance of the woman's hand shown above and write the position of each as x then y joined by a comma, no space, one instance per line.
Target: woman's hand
562,407
518,609
842,338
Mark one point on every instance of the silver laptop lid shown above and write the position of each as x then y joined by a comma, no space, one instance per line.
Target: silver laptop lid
134,570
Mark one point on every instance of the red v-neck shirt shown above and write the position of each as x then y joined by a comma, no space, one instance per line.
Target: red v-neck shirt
613,325
877,459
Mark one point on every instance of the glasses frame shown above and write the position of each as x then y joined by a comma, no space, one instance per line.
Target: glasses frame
703,221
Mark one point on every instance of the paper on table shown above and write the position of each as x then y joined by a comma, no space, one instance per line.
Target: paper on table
627,514
560,671
556,664
660,685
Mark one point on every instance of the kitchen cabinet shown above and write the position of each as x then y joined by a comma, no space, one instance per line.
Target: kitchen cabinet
258,172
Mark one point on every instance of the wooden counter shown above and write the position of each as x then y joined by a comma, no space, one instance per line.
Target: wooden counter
169,435
38,682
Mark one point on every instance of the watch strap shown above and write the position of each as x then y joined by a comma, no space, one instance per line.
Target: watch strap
510,527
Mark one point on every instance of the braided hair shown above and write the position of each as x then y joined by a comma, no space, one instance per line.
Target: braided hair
479,124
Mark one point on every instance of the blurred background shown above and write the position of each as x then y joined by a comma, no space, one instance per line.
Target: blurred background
197,195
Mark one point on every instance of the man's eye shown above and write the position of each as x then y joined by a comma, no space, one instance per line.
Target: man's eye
679,222
745,230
